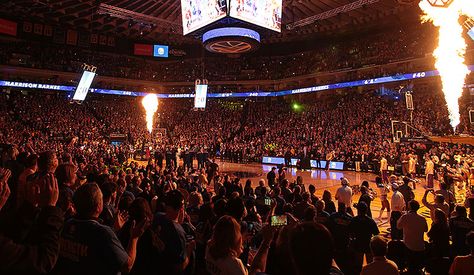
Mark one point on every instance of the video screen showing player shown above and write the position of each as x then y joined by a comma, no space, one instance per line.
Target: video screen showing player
264,13
199,13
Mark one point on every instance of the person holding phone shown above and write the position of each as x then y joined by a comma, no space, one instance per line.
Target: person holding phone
225,247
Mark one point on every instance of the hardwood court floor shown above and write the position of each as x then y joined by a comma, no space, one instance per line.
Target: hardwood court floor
324,180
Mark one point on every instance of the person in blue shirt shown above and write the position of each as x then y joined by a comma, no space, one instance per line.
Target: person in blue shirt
89,247
176,258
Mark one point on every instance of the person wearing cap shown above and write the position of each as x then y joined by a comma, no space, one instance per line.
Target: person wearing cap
398,206
344,195
362,228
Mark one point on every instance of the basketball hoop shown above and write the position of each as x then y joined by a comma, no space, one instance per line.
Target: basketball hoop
440,3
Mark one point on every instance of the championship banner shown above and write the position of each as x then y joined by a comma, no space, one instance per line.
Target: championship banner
94,38
58,36
71,37
111,41
143,49
48,31
8,27
102,40
38,29
27,27
83,40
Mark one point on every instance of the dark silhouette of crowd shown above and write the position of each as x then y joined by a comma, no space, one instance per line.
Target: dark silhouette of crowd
363,50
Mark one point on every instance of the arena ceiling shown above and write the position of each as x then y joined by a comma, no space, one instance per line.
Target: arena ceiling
87,15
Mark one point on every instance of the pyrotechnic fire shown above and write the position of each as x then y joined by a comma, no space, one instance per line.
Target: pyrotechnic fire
451,49
150,103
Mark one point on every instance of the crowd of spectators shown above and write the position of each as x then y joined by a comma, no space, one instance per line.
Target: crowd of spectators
370,49
74,202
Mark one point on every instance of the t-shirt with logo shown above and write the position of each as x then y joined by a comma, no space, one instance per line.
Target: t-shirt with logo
88,247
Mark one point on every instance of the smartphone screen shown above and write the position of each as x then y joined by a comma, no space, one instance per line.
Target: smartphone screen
279,220
268,201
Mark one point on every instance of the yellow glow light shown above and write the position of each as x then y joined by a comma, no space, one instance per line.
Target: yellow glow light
150,103
451,49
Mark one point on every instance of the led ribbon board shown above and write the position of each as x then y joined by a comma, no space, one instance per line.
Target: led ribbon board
381,80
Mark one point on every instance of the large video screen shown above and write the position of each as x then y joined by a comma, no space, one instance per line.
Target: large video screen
264,13
199,13
200,97
84,85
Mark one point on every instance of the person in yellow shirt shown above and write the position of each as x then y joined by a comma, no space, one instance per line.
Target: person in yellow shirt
429,172
384,169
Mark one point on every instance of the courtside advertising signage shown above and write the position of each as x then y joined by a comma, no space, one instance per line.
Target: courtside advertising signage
200,13
84,85
160,51
200,97
264,13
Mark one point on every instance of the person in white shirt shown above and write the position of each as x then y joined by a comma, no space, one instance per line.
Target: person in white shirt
397,201
344,195
414,227
398,206
429,172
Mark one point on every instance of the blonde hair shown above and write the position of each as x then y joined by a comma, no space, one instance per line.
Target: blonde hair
226,238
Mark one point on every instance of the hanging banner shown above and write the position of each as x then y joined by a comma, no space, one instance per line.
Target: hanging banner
58,36
111,41
102,40
71,37
38,29
83,40
8,27
27,27
48,31
94,38
143,49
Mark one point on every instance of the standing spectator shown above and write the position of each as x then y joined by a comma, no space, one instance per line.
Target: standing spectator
363,228
464,265
414,226
329,205
459,226
406,191
398,206
271,178
339,226
439,236
366,198
344,195
177,253
438,203
380,264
